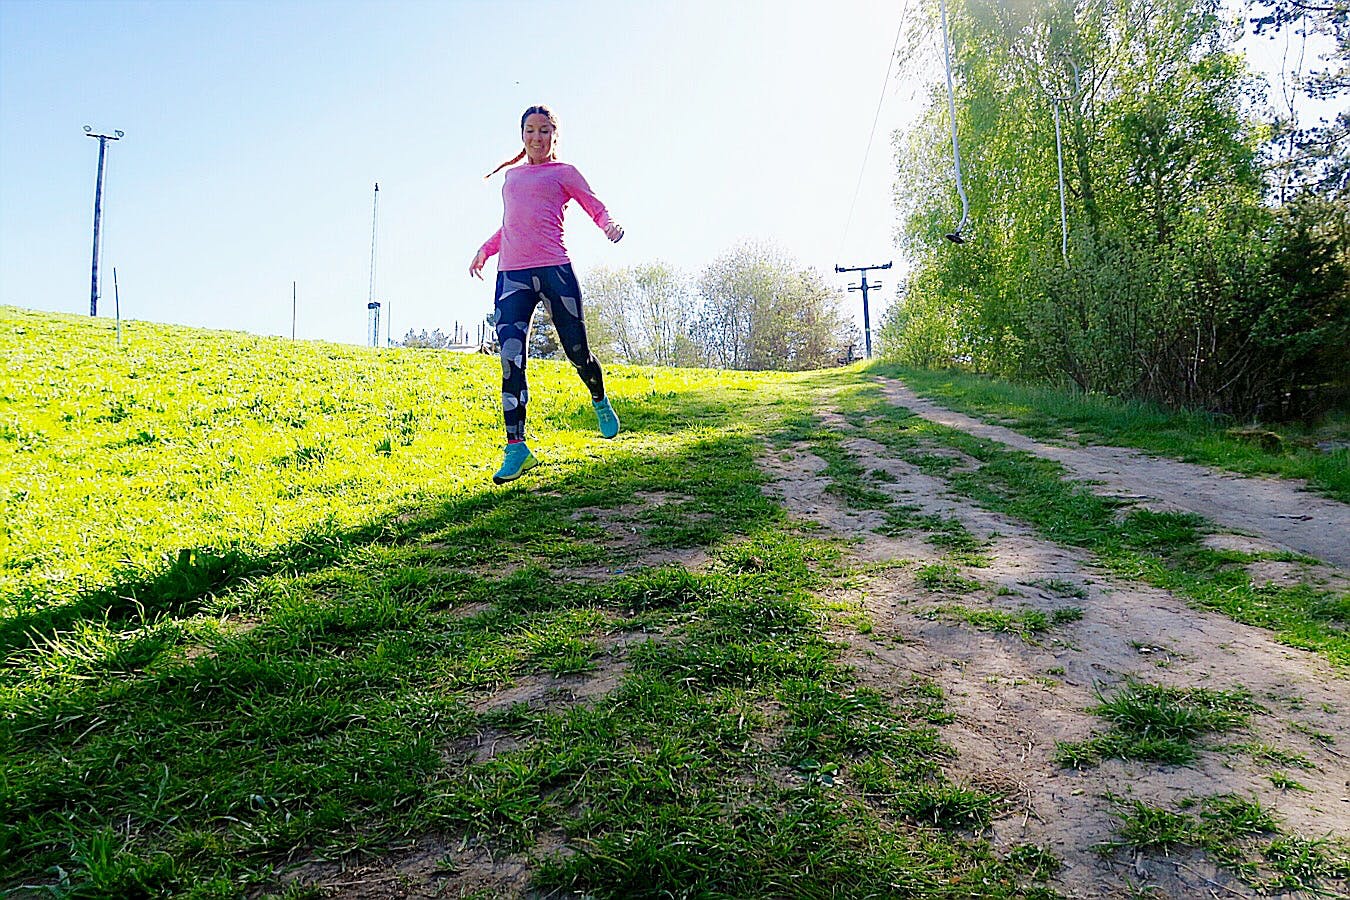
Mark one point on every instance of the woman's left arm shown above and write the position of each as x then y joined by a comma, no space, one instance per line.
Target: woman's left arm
577,189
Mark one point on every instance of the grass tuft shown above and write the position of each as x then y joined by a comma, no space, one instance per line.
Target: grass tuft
1240,835
1158,723
1026,622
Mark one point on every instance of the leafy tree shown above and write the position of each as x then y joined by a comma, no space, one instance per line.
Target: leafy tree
1311,158
543,342
761,310
1175,282
642,315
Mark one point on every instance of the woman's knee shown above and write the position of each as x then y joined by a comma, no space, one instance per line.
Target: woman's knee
578,354
512,343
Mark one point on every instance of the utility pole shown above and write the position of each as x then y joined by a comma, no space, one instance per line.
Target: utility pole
292,310
864,287
98,210
370,298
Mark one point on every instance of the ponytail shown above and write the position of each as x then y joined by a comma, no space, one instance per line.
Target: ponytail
510,162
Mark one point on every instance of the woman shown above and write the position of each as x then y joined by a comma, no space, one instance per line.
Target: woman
533,267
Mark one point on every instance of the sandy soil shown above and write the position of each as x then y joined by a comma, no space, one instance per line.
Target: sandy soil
1280,512
1014,700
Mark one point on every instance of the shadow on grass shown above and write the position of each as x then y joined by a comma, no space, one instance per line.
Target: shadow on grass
344,720
193,576
521,523
362,587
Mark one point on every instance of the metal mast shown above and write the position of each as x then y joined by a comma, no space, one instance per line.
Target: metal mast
864,287
374,232
98,211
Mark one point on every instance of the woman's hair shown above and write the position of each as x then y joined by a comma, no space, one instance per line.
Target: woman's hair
533,110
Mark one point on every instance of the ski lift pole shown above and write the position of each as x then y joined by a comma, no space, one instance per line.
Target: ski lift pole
1059,152
370,297
955,237
98,210
1063,215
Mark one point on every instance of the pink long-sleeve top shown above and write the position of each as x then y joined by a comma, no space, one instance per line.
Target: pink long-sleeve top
533,198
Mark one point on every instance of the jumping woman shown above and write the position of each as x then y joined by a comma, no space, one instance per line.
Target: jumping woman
534,266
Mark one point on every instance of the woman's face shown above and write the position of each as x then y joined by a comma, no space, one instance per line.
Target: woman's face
538,137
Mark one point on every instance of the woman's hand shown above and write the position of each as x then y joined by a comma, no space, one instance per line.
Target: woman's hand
480,260
614,232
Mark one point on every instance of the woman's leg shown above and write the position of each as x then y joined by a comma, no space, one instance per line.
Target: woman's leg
558,286
516,300
560,290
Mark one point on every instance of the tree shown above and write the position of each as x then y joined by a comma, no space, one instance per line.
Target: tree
1172,281
436,339
641,315
1311,159
761,310
543,335
604,304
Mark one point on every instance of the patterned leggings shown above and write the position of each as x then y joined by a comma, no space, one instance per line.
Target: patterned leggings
518,293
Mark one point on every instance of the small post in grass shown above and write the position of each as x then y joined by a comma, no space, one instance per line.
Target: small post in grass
117,307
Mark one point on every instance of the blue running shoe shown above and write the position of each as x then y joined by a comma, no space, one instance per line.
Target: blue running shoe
609,419
518,460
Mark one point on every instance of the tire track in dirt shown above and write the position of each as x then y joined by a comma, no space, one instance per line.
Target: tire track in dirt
1010,710
1279,511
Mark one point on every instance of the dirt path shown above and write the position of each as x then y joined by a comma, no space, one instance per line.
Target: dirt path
1014,700
1277,511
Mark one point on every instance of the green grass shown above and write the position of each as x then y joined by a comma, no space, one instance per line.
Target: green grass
1026,623
1243,837
1266,755
1285,782
1051,413
946,578
1158,723
940,531
1062,588
259,600
1161,548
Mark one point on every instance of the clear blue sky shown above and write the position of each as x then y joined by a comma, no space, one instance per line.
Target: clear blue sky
255,132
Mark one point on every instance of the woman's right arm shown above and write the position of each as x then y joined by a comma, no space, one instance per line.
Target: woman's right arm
485,252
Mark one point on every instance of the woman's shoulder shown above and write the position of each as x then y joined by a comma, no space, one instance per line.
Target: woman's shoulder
563,168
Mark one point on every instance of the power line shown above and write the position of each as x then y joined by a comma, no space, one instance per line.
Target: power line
890,62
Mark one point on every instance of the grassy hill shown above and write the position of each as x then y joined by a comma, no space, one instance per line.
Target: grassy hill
256,593
229,444
261,609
